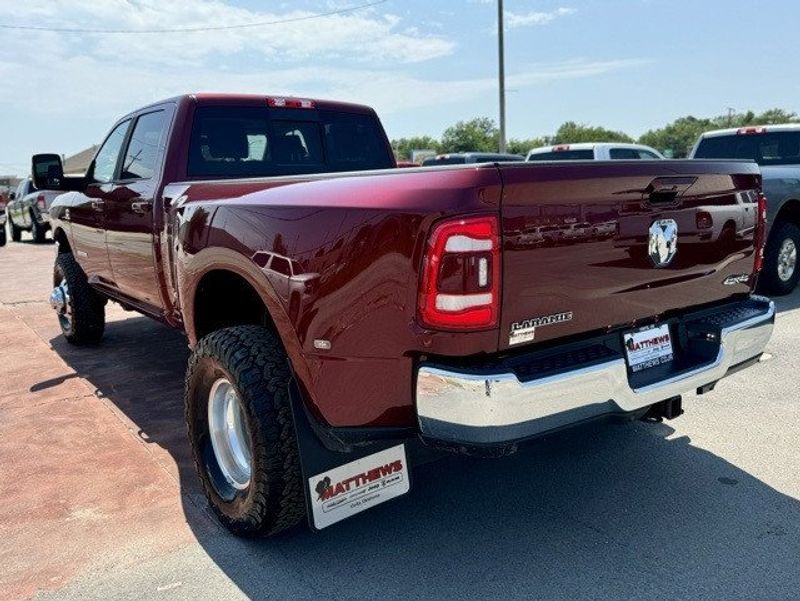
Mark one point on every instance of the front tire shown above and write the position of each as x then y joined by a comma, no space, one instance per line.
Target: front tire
39,231
3,235
780,273
16,233
81,311
241,430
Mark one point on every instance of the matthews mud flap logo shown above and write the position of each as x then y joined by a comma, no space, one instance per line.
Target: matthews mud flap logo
359,485
525,330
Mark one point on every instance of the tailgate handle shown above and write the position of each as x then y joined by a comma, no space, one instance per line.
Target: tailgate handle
667,190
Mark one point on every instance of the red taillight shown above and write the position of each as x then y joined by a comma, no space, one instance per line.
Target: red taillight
561,148
290,103
460,285
41,202
761,233
744,131
704,220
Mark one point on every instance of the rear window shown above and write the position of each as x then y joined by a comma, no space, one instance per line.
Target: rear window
255,142
776,148
630,154
563,155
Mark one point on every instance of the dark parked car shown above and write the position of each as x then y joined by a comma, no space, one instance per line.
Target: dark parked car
342,311
2,221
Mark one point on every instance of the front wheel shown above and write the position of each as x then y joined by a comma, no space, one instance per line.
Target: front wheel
16,233
80,310
3,235
241,430
780,273
39,231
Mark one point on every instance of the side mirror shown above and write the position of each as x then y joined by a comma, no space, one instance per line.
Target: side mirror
12,195
48,172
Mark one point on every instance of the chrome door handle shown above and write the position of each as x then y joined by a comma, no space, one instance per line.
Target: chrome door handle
141,207
97,205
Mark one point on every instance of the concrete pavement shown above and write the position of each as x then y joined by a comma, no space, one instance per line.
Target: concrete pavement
98,499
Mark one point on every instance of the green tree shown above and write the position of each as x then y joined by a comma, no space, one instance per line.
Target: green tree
775,116
573,133
515,146
403,147
677,138
480,135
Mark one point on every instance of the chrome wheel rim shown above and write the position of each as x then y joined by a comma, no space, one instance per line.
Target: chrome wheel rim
228,431
60,301
787,260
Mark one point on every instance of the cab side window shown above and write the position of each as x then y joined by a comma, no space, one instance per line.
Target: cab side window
141,158
105,163
624,154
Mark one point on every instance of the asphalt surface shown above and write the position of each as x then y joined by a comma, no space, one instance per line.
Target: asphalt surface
98,499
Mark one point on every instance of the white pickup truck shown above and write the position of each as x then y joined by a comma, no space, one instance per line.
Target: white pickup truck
29,210
594,151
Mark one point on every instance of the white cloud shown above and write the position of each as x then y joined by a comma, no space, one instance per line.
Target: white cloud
365,34
515,20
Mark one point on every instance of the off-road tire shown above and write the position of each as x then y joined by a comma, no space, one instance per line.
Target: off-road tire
769,281
16,233
87,306
253,360
38,231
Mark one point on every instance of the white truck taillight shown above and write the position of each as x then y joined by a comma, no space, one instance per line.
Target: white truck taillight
761,233
460,284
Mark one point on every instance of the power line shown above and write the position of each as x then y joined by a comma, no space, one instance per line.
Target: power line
195,29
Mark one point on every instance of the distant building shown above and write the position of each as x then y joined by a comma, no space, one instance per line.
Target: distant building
78,163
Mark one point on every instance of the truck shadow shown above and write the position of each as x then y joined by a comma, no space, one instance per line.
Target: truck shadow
604,511
788,302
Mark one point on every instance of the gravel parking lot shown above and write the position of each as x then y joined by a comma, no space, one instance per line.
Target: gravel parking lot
99,498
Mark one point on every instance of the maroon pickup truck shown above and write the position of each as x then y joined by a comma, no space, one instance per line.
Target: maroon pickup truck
346,315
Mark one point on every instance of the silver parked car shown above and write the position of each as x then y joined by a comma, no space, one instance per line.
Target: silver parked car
776,149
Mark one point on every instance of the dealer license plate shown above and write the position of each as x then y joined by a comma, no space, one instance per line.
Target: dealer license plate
648,347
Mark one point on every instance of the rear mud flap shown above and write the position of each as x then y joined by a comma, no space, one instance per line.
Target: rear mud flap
339,485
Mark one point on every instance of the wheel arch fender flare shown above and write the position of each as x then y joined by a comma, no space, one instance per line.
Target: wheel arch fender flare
190,272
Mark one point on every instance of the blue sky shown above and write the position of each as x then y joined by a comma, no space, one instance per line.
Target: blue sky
624,64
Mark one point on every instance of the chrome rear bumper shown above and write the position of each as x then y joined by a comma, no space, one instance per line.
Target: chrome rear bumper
494,408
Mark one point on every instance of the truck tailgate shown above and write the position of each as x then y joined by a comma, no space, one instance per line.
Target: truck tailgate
593,245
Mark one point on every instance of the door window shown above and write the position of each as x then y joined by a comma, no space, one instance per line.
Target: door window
142,155
280,265
105,163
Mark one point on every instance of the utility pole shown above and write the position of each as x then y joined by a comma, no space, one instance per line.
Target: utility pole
501,74
731,112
